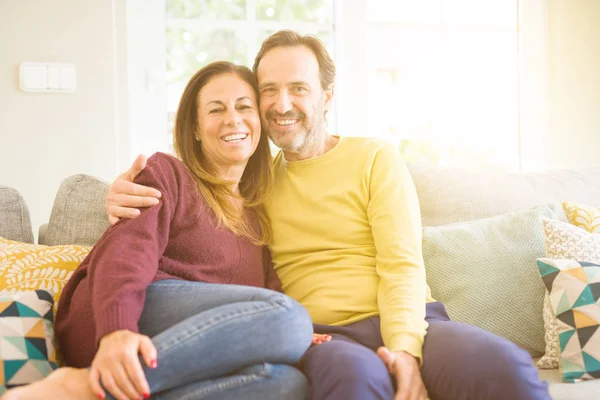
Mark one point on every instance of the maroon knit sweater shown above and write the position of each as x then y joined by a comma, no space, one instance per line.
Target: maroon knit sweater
177,239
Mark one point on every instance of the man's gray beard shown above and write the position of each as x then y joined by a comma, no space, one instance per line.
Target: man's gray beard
299,143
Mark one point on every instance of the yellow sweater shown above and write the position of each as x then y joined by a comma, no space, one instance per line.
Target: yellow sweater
347,239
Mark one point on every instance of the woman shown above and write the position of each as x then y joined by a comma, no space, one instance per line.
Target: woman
187,273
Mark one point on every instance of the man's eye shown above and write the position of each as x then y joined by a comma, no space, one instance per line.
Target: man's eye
244,107
299,89
267,91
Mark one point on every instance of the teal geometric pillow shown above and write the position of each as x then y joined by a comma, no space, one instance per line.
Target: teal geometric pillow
27,352
574,293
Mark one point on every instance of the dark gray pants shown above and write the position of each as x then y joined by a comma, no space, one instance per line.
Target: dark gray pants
460,362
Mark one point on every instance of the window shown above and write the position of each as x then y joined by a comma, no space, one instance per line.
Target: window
199,32
439,78
444,79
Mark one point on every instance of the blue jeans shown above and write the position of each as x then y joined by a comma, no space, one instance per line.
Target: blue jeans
224,342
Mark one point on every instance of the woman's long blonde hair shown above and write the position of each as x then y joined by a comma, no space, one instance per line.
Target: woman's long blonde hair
257,179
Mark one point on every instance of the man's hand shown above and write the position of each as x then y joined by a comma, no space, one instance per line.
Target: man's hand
405,368
124,196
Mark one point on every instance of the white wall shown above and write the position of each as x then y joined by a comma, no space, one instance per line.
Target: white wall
574,69
46,137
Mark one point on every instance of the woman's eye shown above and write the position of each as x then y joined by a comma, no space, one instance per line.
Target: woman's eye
244,107
215,110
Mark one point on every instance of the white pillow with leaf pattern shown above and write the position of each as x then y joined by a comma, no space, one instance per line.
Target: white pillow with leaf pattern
25,266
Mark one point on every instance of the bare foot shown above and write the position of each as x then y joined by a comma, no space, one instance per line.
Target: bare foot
62,384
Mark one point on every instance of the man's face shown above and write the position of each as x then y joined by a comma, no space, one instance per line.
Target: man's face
292,101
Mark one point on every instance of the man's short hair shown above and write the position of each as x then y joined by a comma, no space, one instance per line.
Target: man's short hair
287,38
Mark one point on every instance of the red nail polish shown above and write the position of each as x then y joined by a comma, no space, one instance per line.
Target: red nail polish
146,395
153,364
100,396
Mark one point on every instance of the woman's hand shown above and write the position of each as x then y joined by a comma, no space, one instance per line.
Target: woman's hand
118,367
320,338
124,196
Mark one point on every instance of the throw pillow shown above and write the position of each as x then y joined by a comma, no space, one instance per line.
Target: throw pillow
27,353
485,273
574,292
584,217
25,266
563,241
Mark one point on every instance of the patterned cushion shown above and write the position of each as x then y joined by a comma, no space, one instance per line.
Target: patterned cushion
564,241
584,217
574,292
485,273
25,266
27,352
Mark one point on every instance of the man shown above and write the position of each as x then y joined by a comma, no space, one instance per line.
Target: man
347,245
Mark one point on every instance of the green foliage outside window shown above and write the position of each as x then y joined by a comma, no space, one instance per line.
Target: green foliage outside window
294,10
191,45
206,9
188,49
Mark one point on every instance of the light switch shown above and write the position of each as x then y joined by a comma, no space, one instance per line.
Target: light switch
47,77
67,78
34,77
54,77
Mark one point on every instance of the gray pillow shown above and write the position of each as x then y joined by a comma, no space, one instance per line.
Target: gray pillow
15,223
485,273
78,215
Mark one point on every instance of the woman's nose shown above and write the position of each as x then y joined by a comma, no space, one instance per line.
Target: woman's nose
233,118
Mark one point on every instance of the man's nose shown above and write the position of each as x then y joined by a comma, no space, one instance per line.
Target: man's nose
283,103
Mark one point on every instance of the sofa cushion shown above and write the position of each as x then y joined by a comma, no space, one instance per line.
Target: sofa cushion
26,266
485,273
15,222
568,391
574,289
448,195
78,215
563,241
27,338
582,216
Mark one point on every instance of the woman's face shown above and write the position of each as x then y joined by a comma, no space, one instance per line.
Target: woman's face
228,121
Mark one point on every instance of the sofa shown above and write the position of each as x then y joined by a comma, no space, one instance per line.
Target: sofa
447,196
